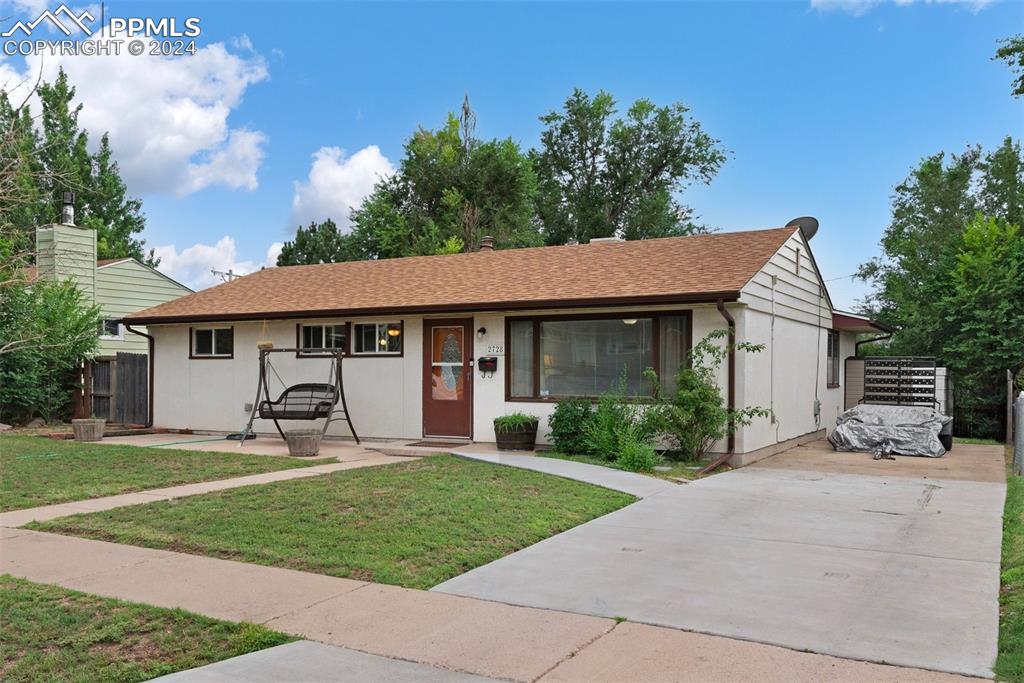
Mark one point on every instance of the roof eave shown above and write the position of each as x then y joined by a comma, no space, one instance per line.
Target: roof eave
703,297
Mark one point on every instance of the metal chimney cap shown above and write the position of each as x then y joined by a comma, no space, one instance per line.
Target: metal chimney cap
486,243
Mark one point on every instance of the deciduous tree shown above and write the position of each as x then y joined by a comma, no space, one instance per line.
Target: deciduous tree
601,176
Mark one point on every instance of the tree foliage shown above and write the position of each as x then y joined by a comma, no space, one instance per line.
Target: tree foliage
930,210
984,316
53,157
1011,51
46,329
319,243
601,176
949,217
450,190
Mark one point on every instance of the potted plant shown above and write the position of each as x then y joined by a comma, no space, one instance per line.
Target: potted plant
88,428
516,432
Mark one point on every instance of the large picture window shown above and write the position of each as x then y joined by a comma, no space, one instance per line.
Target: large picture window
213,342
551,358
833,359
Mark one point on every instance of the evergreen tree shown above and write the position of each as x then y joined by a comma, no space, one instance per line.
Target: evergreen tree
56,159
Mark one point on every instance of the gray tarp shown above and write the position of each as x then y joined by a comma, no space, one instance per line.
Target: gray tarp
906,430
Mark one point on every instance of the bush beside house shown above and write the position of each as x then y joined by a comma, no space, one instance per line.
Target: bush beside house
687,419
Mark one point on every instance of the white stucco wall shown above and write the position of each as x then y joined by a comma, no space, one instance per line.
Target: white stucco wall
383,393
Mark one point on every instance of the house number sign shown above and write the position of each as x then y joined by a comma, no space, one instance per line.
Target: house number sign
496,349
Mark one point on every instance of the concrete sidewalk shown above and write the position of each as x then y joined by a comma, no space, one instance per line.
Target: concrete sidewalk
444,631
17,518
639,485
308,661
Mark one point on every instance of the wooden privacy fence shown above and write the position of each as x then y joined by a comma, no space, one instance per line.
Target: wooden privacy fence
120,388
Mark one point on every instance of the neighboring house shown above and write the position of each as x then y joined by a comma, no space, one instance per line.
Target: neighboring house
561,321
119,287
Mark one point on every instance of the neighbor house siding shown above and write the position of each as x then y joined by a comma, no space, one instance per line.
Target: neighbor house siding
126,287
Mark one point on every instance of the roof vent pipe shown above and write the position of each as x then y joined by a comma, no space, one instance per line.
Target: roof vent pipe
67,212
486,243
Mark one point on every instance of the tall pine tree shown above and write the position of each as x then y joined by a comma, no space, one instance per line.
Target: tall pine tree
55,158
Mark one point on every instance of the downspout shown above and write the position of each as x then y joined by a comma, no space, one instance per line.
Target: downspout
856,346
731,441
152,349
731,393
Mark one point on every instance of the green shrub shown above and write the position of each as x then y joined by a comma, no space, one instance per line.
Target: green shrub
694,416
615,419
636,455
514,422
569,425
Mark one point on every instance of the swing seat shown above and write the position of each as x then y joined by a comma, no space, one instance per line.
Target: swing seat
301,402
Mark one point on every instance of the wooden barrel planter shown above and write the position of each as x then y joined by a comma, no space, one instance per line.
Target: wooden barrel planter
303,443
516,432
88,429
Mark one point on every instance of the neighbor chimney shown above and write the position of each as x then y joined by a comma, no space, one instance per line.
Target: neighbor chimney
487,243
67,212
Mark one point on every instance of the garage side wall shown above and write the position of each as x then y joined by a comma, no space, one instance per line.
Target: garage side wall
789,313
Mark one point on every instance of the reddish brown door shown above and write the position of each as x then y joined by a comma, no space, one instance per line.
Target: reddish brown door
448,377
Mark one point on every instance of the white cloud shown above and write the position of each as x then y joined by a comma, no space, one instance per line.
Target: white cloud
193,265
337,184
860,7
167,116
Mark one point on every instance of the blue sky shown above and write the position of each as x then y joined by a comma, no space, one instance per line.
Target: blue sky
823,109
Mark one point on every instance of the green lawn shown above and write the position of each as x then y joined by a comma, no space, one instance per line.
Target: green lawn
679,469
38,471
1010,663
49,633
413,524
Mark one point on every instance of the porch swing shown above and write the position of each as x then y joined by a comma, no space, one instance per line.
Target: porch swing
304,401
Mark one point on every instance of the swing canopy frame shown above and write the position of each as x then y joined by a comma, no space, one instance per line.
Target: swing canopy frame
303,401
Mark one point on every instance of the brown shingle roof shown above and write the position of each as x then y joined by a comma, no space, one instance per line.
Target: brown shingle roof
674,269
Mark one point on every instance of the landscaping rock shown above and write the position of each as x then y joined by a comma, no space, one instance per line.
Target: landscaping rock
36,423
3,427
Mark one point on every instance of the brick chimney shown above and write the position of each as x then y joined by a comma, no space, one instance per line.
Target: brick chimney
487,243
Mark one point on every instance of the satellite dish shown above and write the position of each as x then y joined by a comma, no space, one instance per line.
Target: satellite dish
808,226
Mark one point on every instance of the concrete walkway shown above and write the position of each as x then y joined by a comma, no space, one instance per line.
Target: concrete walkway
639,485
16,518
855,559
444,631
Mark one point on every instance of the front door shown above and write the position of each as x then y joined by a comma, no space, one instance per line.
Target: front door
448,377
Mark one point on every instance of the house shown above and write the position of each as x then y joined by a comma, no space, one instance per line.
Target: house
119,287
556,321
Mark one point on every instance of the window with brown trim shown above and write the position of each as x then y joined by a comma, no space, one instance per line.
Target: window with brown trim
585,356
832,372
377,338
319,337
212,342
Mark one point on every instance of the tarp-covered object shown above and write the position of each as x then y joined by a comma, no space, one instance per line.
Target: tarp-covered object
881,429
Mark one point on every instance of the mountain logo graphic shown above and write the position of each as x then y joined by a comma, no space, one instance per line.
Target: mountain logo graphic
76,20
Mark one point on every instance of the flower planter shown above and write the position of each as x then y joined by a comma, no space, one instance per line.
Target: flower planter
88,429
303,443
520,439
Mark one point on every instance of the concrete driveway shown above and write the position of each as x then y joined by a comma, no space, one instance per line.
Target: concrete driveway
884,561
